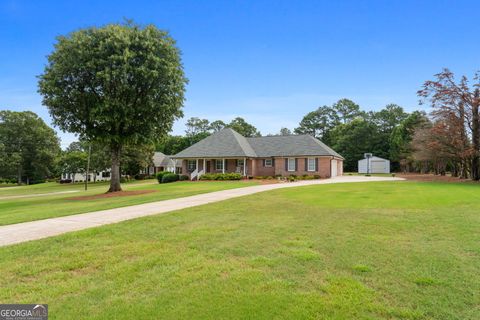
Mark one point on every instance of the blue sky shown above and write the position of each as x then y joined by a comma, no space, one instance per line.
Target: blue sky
267,61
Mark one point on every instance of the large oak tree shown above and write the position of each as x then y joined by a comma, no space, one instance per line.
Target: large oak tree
121,84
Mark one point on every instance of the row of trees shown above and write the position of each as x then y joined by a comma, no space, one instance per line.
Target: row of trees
30,152
351,131
451,142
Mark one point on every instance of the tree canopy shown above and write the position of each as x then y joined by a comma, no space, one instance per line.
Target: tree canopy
121,84
28,146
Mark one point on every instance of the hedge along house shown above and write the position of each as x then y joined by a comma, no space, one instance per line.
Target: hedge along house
228,151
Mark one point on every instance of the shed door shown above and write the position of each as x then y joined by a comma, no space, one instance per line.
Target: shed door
334,168
378,166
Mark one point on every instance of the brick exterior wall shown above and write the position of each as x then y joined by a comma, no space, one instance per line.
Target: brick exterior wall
323,169
261,170
255,167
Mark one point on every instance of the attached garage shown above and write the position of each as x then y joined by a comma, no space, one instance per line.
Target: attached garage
374,165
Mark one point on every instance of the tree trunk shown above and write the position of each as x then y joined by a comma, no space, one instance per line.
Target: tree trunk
115,172
19,179
464,169
476,137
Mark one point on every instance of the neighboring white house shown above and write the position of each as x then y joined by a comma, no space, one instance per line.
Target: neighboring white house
374,165
162,162
93,176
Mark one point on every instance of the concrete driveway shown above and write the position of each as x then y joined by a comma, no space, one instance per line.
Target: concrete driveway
34,230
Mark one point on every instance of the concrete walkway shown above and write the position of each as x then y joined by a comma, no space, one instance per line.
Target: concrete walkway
34,230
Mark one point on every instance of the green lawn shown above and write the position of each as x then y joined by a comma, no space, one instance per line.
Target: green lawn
380,250
17,210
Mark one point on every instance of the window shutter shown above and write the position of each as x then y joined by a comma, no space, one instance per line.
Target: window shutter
273,162
296,164
286,164
264,162
306,164
316,164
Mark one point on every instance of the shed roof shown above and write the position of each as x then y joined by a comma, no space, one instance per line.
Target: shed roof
374,158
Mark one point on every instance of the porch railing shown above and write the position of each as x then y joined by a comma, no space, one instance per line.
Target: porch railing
196,174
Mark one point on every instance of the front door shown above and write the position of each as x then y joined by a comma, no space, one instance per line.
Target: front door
208,167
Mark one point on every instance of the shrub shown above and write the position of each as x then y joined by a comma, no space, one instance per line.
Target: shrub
221,176
316,176
393,175
36,181
160,175
292,178
140,176
306,177
169,177
183,177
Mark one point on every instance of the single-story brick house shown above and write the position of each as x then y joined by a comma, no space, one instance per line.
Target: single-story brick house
229,151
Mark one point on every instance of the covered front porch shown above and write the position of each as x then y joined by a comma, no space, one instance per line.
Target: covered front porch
196,167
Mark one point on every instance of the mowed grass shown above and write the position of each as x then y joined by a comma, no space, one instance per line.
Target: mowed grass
46,202
380,250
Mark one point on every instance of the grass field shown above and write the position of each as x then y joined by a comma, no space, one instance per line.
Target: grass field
381,250
30,202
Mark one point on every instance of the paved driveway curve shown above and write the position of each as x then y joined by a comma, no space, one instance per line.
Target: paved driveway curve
34,230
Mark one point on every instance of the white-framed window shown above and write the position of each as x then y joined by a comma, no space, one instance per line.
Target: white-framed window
311,164
240,163
191,165
268,162
219,164
291,164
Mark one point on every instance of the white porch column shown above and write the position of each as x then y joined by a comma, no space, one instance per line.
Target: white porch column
196,165
204,166
244,167
223,165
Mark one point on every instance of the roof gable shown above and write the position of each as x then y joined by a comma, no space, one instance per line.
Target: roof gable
224,143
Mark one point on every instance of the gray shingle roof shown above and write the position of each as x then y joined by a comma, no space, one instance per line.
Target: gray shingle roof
162,160
224,143
294,145
229,143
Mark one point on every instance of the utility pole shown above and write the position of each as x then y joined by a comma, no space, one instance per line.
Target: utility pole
88,166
